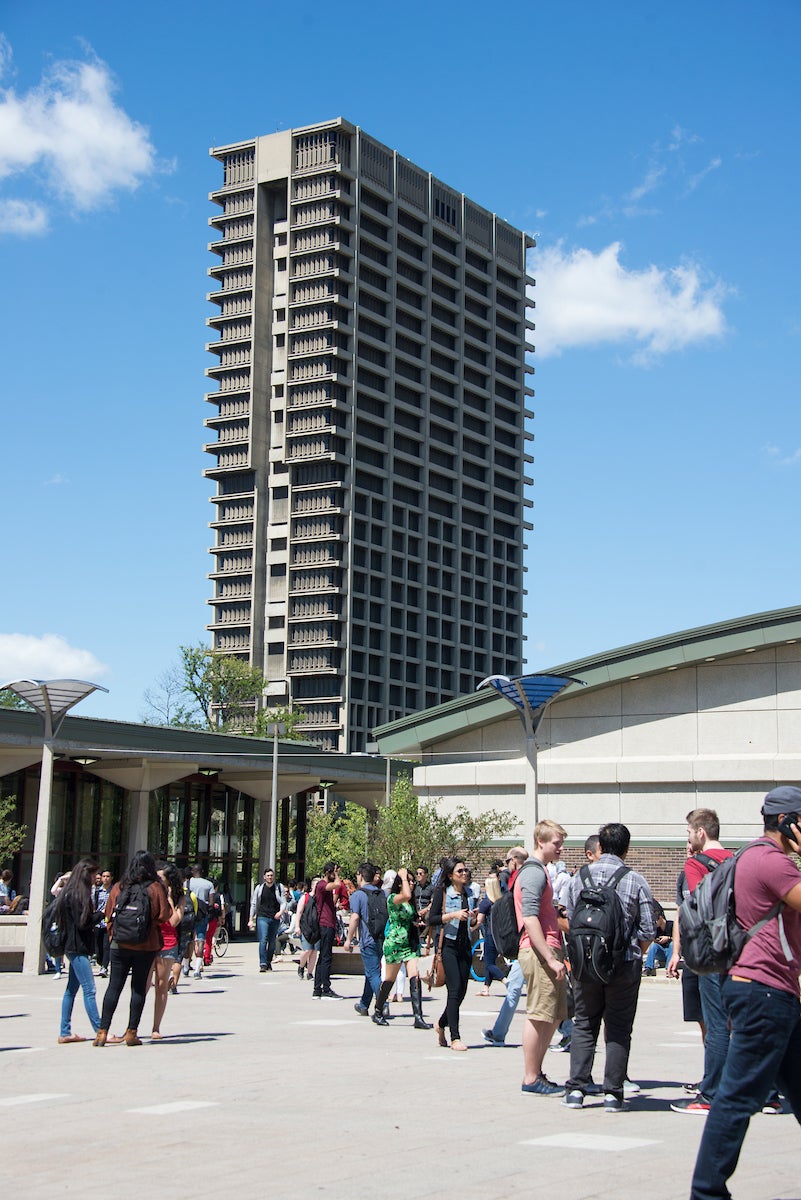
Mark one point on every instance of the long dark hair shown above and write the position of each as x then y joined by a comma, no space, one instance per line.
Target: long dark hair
141,869
175,884
448,868
76,894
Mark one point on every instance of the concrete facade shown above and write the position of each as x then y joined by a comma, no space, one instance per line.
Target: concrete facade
706,718
370,428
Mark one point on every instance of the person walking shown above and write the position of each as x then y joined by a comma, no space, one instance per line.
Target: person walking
78,919
760,993
266,906
140,887
452,913
402,948
326,908
166,964
612,1003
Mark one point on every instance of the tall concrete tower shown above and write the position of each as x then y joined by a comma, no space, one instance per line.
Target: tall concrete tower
370,427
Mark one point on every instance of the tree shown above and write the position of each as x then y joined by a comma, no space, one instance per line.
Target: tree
12,834
206,690
9,699
408,832
225,688
341,836
165,703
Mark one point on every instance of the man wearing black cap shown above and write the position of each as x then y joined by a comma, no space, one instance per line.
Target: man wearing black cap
760,994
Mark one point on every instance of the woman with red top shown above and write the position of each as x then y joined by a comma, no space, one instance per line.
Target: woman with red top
166,964
135,959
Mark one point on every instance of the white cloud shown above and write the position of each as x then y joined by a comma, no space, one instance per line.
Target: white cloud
694,180
23,656
72,134
56,480
586,299
784,460
652,180
682,137
23,217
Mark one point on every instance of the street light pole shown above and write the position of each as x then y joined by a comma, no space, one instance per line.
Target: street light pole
52,699
278,729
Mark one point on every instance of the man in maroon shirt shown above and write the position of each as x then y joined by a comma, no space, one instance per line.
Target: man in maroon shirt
706,852
760,993
325,894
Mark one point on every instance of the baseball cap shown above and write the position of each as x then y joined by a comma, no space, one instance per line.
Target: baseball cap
783,799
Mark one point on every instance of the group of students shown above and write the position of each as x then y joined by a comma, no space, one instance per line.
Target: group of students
149,926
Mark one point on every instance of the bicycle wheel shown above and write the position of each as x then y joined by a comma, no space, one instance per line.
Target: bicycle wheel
221,940
477,971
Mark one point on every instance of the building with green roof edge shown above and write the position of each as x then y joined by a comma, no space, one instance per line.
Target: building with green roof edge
707,717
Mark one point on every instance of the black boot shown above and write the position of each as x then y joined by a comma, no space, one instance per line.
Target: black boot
416,990
380,1001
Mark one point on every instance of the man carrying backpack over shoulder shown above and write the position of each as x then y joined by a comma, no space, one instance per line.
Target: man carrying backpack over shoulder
706,852
760,994
368,916
614,1000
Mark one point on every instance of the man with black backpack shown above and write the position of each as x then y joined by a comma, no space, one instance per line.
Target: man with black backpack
760,993
368,918
611,915
705,854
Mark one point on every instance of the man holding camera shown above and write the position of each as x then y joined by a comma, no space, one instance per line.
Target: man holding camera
760,994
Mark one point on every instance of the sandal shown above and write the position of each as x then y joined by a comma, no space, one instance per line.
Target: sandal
458,1044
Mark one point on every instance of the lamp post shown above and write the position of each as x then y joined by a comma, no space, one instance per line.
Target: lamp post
278,729
52,699
531,695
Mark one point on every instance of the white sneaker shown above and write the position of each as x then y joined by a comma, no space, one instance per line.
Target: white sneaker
198,975
630,1088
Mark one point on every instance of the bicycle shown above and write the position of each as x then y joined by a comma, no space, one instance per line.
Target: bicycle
221,940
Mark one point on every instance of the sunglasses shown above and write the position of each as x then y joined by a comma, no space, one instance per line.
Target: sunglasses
460,871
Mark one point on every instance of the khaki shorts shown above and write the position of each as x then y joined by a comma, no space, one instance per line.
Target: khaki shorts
546,998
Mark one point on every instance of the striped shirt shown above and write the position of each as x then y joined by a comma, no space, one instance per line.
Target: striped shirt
633,891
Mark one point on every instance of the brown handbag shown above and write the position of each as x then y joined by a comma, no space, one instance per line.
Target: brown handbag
435,975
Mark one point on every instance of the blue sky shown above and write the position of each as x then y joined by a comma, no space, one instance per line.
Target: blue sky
653,150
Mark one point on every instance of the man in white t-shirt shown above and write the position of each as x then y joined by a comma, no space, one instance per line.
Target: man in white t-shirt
203,889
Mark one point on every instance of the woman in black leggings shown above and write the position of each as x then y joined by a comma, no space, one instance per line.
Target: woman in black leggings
135,958
452,910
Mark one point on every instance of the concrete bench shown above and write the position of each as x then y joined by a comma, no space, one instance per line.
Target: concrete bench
12,941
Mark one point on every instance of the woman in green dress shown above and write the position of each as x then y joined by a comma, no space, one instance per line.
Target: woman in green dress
402,945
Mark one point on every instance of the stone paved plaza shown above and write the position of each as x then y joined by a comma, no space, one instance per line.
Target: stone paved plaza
257,1089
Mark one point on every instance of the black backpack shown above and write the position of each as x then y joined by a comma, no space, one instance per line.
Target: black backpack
599,928
131,922
54,935
377,915
310,921
189,915
505,930
712,939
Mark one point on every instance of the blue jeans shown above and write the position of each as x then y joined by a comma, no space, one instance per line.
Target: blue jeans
491,971
655,951
267,929
716,1042
371,961
514,988
765,1046
80,976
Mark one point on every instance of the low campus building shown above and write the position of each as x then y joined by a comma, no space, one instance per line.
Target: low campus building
708,717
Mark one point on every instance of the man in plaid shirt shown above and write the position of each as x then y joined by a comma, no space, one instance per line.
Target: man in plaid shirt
614,1003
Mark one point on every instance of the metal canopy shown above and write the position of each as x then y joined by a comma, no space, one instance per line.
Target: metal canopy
52,698
532,691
